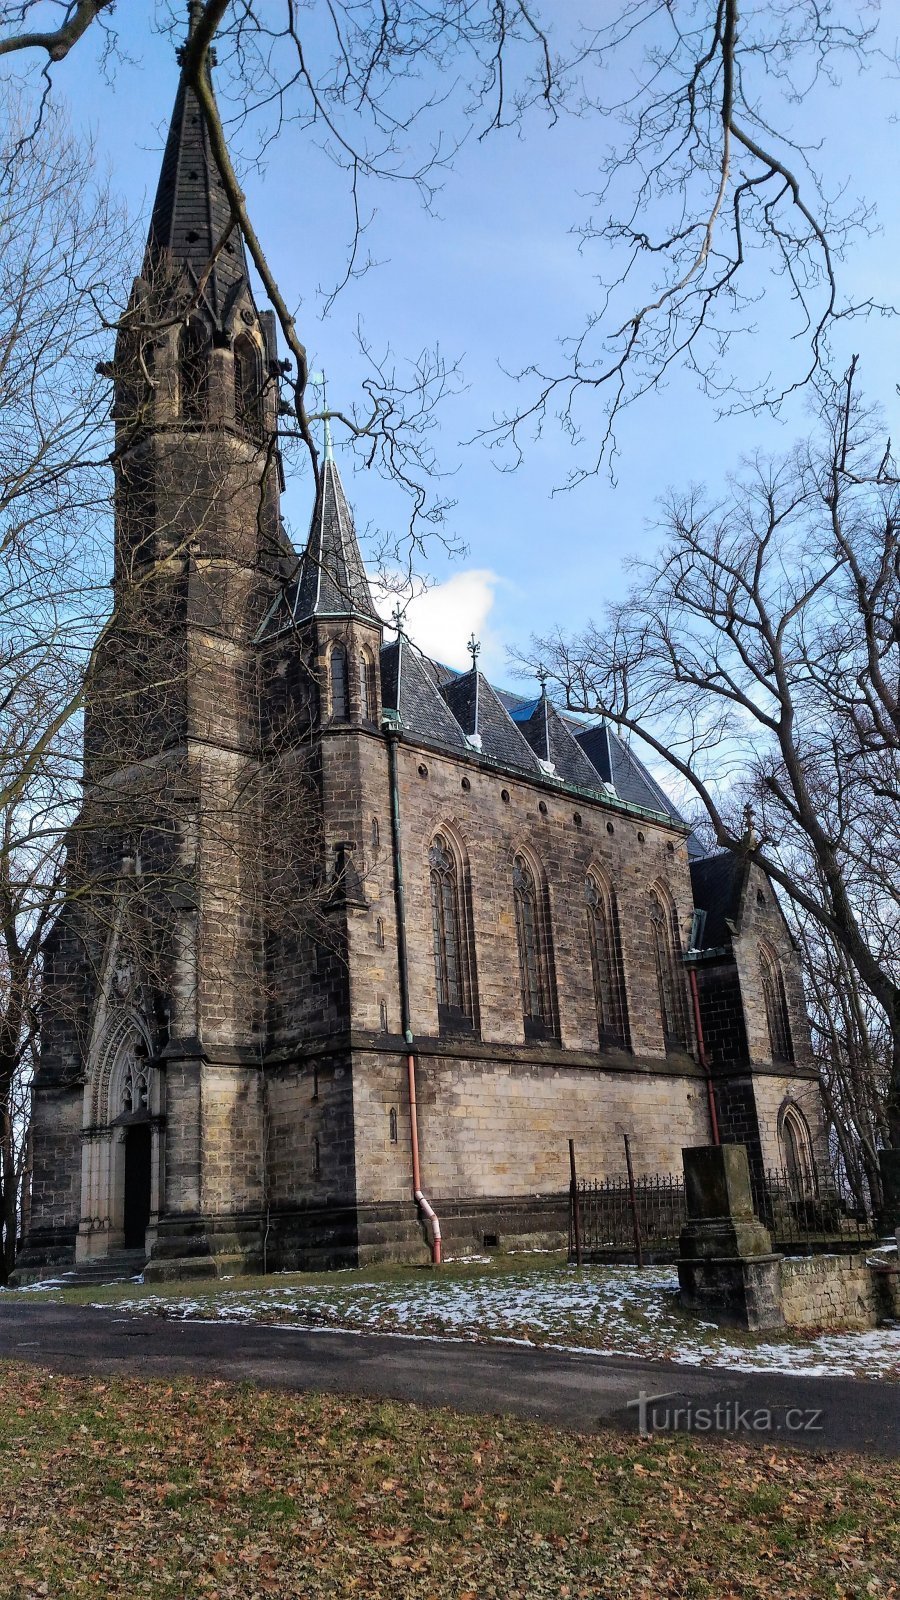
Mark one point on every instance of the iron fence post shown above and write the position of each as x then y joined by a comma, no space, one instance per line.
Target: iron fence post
633,1202
576,1207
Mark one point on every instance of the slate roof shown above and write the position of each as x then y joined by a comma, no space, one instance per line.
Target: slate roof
552,740
331,578
190,212
718,883
332,581
617,764
500,738
408,688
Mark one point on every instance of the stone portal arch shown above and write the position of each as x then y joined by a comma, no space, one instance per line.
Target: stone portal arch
122,1141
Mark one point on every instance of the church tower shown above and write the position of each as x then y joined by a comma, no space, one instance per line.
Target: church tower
155,986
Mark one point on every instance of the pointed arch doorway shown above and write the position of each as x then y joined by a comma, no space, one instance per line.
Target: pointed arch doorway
122,1149
136,1200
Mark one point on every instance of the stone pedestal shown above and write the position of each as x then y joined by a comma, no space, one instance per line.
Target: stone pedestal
889,1165
727,1268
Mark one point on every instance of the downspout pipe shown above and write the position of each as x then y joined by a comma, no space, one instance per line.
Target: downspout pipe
704,1059
428,1212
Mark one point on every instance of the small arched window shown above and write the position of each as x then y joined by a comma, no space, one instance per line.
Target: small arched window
317,1159
606,963
392,1125
383,1015
367,703
136,1085
775,1000
339,706
449,930
248,407
193,372
534,967
797,1151
379,932
669,979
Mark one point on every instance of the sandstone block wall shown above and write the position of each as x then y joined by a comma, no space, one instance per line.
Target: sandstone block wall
567,837
772,1092
310,1134
232,1136
56,1185
491,1128
834,1292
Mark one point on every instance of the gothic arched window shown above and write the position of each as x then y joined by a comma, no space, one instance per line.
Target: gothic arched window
606,963
669,978
339,704
367,699
248,409
193,371
776,1008
449,929
797,1151
136,1084
534,968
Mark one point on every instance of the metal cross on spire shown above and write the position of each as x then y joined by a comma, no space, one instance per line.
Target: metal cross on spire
318,378
474,649
397,619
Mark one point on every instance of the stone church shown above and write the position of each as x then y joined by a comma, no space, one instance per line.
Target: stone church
356,943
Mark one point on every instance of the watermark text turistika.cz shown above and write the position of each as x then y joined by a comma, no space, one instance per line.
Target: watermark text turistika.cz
726,1416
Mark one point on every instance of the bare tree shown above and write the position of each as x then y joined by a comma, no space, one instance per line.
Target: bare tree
61,256
759,653
852,1048
706,194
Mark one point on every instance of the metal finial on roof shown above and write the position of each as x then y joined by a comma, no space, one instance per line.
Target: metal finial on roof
542,676
750,837
397,619
318,378
474,649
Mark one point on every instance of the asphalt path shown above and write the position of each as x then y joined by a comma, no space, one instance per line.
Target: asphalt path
583,1392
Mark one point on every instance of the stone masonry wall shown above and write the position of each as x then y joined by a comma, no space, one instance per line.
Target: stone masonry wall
491,1128
56,1185
836,1292
308,1102
762,922
567,837
772,1092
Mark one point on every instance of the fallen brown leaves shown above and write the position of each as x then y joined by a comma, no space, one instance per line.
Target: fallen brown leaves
225,1493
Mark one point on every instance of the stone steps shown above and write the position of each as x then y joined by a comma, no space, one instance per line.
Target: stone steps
117,1267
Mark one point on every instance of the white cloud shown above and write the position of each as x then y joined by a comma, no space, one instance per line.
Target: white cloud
441,618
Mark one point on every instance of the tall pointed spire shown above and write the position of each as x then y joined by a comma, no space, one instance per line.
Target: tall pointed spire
332,581
191,213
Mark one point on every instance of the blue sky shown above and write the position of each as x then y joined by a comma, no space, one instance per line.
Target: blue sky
494,276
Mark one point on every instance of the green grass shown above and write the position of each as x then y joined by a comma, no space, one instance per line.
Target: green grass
499,1265
208,1491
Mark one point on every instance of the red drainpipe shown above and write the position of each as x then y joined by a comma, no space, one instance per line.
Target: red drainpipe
704,1061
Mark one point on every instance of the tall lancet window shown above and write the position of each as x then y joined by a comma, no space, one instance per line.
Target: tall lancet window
248,408
339,704
193,371
534,967
669,977
606,963
366,686
449,923
775,999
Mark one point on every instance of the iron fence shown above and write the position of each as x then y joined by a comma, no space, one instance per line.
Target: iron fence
627,1218
621,1221
806,1210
